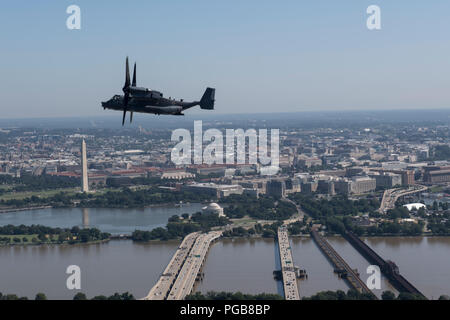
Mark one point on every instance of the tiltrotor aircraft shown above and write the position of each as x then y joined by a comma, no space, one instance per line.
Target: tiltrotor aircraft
139,99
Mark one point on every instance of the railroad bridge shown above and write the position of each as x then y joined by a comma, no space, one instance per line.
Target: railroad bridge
388,268
340,266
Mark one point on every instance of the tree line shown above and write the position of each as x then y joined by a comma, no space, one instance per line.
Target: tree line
352,294
29,182
212,295
78,296
336,206
337,215
142,197
126,198
43,234
179,227
266,231
265,207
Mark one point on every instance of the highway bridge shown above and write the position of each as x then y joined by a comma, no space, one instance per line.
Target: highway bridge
287,266
341,267
184,283
388,268
178,279
391,196
161,289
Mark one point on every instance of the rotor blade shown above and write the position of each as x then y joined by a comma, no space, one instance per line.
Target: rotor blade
134,75
127,76
131,116
124,114
125,99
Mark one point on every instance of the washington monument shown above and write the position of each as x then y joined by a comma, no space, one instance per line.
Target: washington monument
84,174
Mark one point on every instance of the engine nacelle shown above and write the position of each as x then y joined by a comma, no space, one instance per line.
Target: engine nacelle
144,92
156,94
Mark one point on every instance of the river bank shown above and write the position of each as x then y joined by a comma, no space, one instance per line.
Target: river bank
166,204
66,243
111,220
24,209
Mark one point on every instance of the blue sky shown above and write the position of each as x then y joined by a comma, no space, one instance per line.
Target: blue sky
262,56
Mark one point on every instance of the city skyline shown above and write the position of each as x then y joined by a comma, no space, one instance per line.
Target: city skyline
387,180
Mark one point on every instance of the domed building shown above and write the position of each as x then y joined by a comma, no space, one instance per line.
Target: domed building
414,206
213,208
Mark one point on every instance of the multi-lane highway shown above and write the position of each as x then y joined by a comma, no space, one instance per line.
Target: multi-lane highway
287,266
391,196
177,280
185,280
161,289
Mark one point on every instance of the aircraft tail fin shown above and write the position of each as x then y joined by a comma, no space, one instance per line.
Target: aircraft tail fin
207,101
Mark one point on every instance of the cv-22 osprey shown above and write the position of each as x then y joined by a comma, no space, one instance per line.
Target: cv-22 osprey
139,99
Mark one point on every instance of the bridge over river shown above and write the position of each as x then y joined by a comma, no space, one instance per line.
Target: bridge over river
341,267
287,266
178,279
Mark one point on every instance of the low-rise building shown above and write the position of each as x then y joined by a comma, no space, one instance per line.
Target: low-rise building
437,176
276,188
309,162
213,189
361,185
343,186
177,175
387,180
309,187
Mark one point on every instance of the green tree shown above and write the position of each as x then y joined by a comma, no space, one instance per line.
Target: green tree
388,295
174,218
409,296
435,205
185,215
40,296
80,296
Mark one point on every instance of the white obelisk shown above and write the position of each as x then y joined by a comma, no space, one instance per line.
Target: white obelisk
84,174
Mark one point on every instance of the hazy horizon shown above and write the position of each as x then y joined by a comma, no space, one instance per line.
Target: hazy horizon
279,119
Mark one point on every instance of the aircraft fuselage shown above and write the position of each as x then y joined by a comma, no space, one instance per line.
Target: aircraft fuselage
140,99
149,102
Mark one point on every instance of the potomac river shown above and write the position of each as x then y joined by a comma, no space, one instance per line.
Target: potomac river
244,265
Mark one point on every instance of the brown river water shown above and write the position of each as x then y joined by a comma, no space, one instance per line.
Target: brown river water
232,265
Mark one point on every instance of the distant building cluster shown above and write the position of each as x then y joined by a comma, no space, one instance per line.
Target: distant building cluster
436,174
325,161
